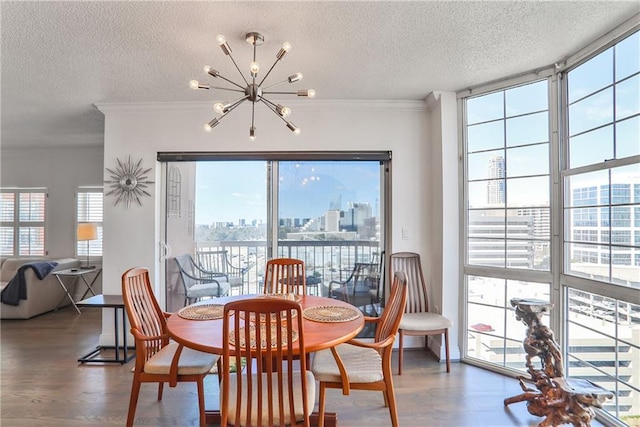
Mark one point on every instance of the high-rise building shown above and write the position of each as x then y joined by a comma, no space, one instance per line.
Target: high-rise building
495,185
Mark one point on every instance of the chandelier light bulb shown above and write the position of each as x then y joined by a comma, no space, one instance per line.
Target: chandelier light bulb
211,71
213,123
252,133
295,129
194,84
221,39
283,111
255,67
286,46
307,92
295,77
218,107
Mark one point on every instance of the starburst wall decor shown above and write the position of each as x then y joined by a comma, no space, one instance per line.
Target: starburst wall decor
128,182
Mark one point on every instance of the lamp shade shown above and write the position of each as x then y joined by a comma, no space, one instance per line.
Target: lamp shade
87,231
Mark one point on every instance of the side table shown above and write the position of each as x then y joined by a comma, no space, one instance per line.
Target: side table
115,302
75,274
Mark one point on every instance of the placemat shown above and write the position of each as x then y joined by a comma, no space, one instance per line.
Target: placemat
202,312
263,333
331,313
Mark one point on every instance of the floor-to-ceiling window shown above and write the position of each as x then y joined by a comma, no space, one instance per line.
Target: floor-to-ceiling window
552,212
601,199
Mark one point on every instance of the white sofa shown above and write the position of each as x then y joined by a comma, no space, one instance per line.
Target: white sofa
42,295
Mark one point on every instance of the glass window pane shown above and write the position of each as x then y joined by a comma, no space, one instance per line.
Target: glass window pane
529,160
591,112
628,97
484,108
6,241
32,206
486,164
521,289
627,53
485,136
591,76
592,147
488,252
520,254
587,189
526,99
587,260
528,129
528,191
488,223
627,137
30,241
7,206
486,193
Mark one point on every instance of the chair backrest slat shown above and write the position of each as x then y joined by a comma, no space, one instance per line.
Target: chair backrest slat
284,276
409,263
392,314
144,313
268,334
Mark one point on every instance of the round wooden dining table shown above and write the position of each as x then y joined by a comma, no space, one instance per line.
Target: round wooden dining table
206,335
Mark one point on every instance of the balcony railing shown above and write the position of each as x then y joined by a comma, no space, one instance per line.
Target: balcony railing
324,260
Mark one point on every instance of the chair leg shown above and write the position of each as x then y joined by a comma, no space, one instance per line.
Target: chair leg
160,389
400,339
133,401
321,403
201,400
390,399
446,349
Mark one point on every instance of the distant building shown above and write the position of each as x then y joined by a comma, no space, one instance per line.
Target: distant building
496,184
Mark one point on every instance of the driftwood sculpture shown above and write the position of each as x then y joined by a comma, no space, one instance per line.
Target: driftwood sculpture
558,399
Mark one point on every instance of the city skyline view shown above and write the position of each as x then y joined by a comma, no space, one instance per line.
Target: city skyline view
306,189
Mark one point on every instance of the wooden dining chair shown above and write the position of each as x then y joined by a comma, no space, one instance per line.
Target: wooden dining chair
285,276
158,359
417,319
362,365
275,388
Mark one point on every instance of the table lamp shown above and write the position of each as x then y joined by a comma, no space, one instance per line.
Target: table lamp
87,232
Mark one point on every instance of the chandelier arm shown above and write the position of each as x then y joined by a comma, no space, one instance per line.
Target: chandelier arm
235,103
280,93
275,84
267,103
237,68
253,113
228,88
268,72
231,81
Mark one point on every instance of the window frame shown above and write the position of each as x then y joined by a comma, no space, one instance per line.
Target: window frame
95,247
16,224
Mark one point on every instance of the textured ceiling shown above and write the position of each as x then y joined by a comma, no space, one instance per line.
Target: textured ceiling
59,58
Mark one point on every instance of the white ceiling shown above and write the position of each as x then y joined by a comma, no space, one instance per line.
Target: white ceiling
60,58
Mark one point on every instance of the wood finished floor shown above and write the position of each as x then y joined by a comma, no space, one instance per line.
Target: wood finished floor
42,384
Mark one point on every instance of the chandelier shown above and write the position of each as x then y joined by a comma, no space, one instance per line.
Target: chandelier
251,90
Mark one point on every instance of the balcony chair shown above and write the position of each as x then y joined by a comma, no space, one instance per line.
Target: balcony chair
284,276
361,365
356,288
199,283
275,388
158,359
218,263
417,319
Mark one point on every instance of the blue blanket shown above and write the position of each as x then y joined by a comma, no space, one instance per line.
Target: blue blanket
16,289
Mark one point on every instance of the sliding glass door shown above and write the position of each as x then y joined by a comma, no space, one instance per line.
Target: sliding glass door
329,212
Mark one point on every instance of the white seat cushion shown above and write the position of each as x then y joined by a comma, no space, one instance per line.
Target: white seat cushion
299,413
192,362
363,365
199,290
424,322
